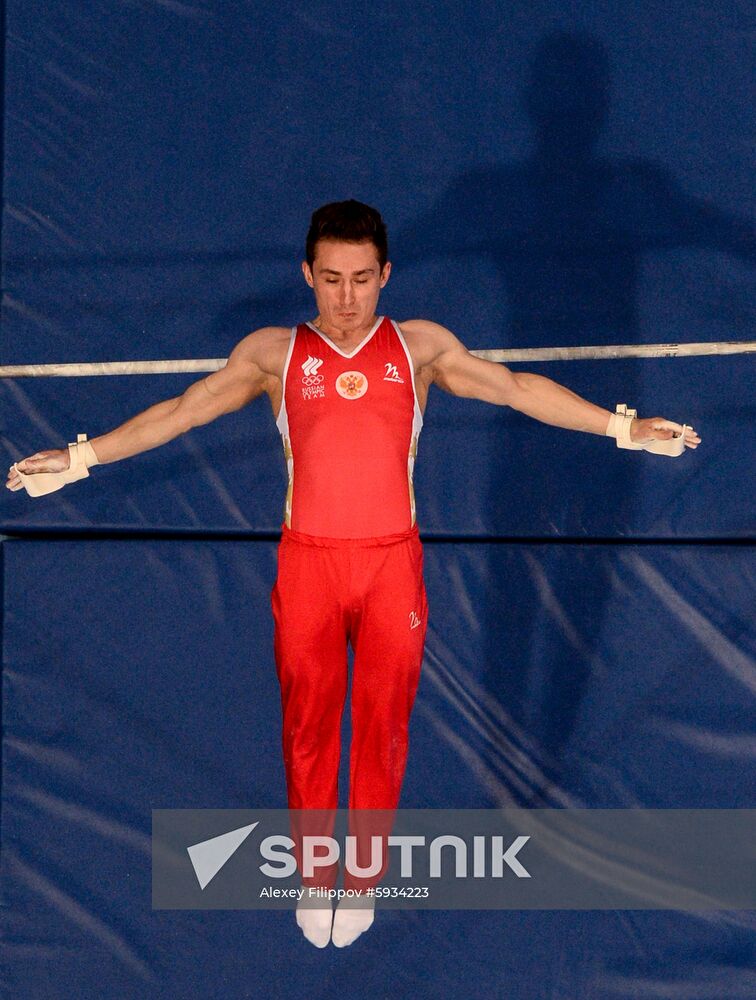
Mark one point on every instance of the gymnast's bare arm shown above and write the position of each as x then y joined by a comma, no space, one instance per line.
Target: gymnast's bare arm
254,366
442,360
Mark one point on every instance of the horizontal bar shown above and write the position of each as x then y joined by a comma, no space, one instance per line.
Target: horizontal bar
610,351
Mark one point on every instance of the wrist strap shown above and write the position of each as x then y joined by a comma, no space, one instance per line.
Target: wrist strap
619,427
85,449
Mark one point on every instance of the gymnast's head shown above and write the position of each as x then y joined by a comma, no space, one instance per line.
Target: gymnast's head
346,261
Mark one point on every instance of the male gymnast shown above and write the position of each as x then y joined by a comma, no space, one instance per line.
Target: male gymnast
348,391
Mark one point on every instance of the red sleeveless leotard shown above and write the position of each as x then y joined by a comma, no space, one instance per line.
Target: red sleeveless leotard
350,425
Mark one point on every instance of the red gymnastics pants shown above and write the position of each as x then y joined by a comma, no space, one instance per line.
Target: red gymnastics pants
368,592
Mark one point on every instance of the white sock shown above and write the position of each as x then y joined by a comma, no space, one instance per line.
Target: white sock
353,917
315,918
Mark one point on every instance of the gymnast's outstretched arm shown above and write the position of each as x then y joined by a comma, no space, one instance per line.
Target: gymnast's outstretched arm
453,368
244,377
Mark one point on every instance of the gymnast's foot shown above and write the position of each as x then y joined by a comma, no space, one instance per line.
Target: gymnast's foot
353,916
314,918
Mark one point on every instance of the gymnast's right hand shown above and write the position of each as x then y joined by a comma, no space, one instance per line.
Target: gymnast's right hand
56,460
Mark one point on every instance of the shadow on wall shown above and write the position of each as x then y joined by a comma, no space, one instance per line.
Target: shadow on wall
566,228
567,231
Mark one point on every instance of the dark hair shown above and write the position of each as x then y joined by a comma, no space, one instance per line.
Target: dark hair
350,221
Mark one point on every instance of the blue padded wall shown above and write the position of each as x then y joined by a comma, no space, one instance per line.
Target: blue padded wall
551,174
139,675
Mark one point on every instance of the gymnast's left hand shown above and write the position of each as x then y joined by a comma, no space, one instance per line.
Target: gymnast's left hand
659,429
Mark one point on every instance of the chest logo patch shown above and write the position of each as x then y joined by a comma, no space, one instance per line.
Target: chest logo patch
351,385
312,380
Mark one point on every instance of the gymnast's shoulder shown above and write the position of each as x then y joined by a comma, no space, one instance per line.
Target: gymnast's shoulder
427,340
266,348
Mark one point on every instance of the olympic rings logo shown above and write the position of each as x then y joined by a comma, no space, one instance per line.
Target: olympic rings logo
312,379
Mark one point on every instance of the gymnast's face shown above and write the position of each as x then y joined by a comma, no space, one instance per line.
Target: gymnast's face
347,281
